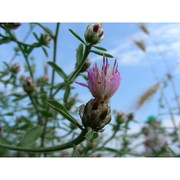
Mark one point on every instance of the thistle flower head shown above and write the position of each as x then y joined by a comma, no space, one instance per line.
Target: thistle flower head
103,82
95,114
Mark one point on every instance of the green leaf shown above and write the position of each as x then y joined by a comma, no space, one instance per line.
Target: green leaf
45,52
36,36
100,48
30,136
63,111
19,97
91,134
76,35
6,64
79,53
102,53
110,149
58,70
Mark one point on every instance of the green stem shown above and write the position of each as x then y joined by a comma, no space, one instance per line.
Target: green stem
35,106
27,61
76,72
72,77
54,57
52,82
67,145
25,38
12,38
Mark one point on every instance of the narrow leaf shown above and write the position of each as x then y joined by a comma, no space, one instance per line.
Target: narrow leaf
62,110
30,136
20,97
36,36
100,48
79,53
76,35
58,70
6,64
45,52
47,30
102,54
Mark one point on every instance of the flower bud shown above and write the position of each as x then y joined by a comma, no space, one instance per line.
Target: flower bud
120,118
130,116
94,33
29,85
71,102
43,79
15,68
46,38
96,114
86,65
12,25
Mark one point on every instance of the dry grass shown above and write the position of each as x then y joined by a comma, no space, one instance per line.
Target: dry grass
144,29
146,95
140,44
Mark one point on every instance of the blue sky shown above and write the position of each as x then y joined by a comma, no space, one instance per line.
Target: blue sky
133,65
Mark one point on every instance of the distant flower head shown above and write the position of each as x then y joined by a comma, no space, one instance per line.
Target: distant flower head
14,25
94,33
29,85
15,68
103,82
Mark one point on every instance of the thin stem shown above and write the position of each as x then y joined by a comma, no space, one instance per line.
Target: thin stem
27,61
78,69
166,101
52,82
171,115
67,145
54,57
175,93
152,67
76,72
35,106
169,72
24,40
109,139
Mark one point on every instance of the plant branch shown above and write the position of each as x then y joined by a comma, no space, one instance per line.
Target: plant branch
67,145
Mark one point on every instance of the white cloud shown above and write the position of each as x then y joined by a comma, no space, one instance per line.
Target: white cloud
130,58
164,41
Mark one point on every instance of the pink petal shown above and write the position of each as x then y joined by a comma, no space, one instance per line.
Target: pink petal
82,84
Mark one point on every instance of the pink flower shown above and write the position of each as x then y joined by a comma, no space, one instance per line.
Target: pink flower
103,82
